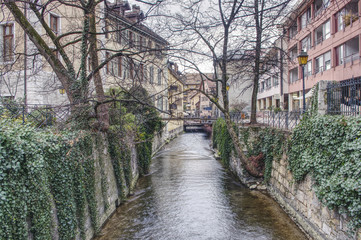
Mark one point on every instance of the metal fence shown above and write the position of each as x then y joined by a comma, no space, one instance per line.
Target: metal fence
344,97
282,120
35,114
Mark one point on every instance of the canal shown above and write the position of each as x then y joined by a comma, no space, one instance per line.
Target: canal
189,195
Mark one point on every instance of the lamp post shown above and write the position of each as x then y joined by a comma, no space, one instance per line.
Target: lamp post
302,60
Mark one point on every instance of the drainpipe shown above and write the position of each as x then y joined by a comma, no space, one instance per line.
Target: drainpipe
25,59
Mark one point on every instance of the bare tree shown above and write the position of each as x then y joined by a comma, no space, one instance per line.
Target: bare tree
97,47
216,32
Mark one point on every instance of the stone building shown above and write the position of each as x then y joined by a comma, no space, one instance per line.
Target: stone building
25,73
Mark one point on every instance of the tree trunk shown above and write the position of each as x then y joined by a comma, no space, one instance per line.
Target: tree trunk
102,109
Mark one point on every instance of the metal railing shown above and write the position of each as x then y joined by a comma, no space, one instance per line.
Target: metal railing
281,120
344,97
35,114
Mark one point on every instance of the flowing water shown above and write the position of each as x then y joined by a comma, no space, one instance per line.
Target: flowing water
189,195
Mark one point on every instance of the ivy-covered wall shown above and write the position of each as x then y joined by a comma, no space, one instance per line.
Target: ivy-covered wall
63,185
328,148
313,171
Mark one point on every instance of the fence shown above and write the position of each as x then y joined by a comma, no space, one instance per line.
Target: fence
282,120
344,97
35,114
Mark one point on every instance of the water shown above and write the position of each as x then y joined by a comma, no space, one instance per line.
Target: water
189,195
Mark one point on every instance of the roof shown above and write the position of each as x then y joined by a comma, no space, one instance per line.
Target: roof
132,19
196,78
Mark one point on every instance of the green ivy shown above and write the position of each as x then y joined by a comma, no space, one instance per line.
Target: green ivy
329,148
38,168
269,141
222,140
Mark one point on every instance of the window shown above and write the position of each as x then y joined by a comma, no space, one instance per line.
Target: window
54,23
308,69
293,30
275,80
150,46
158,52
8,42
306,43
347,15
160,103
140,43
268,83
348,52
131,39
159,77
141,71
322,32
131,68
293,52
151,74
320,5
114,66
323,62
125,67
106,29
293,75
118,35
306,18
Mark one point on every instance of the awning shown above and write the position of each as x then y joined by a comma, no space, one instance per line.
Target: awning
308,95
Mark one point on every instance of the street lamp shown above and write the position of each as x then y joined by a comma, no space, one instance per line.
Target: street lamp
302,61
61,90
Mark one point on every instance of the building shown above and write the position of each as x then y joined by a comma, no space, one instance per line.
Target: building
273,84
329,31
142,61
175,99
240,81
196,103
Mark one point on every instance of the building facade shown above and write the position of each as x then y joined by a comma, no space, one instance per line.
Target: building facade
25,73
273,85
329,31
175,98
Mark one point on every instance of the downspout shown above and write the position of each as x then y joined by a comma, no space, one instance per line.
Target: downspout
25,65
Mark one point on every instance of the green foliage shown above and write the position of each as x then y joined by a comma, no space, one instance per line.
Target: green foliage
133,113
269,141
222,140
329,148
37,168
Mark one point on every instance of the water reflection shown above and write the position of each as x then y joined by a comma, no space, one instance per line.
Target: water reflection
189,195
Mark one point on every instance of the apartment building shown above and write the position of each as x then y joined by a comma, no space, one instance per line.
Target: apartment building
273,84
175,97
26,74
329,31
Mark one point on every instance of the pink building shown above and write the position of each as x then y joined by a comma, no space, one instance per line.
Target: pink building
329,31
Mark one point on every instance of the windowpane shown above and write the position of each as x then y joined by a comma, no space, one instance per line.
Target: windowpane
8,43
54,23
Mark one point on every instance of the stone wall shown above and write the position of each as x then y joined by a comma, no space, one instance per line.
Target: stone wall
302,204
297,199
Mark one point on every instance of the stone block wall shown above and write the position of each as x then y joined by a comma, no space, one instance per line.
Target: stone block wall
302,204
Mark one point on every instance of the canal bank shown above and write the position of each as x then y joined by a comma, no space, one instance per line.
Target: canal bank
189,195
313,174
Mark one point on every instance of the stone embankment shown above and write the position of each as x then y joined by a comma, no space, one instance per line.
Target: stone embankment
299,200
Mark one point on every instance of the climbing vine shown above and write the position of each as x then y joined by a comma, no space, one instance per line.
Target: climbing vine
268,141
38,168
329,148
222,140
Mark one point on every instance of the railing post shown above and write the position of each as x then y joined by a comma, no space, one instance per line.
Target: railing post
286,123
